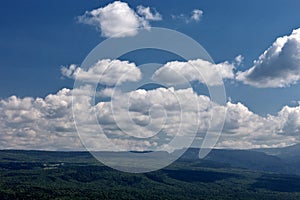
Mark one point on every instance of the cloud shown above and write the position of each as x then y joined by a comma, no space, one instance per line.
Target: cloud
28,123
139,119
244,129
197,15
239,60
278,66
176,72
140,113
290,123
106,72
147,14
47,123
117,19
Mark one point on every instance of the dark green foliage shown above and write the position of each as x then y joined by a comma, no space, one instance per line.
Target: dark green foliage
198,176
281,183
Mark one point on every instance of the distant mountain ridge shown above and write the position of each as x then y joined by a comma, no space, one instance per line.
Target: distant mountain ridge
280,160
284,153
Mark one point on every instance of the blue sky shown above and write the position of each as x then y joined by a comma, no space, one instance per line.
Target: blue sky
38,37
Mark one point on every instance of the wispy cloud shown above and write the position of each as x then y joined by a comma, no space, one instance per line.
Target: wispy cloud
148,14
195,16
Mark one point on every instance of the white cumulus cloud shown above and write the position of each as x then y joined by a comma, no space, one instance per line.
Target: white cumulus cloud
117,19
106,72
37,123
159,115
176,72
244,129
278,66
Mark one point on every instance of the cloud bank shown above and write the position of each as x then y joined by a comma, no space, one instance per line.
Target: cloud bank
28,123
139,119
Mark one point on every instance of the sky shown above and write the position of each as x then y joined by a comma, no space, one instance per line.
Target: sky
255,46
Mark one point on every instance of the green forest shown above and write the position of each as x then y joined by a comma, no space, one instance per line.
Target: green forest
77,175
